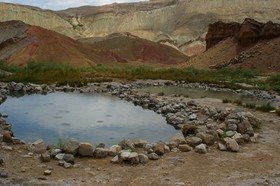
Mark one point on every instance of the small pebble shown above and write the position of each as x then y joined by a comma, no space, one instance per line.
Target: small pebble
47,172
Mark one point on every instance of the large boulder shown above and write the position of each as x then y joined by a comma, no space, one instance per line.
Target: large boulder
194,141
38,146
208,139
159,148
231,144
85,149
188,129
101,153
71,146
7,137
254,121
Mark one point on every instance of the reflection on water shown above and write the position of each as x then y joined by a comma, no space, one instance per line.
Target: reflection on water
87,117
202,93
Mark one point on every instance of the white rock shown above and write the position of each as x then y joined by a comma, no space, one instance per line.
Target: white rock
125,155
201,149
222,147
47,172
192,117
114,150
115,159
59,156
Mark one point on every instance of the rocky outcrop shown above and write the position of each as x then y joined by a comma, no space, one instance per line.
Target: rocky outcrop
249,45
246,33
219,31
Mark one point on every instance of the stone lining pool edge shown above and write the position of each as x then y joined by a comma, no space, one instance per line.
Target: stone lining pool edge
128,93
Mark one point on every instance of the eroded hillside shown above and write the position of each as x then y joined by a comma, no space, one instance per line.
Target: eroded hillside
182,23
21,43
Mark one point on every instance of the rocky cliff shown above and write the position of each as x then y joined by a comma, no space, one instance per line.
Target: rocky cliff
181,23
246,33
251,44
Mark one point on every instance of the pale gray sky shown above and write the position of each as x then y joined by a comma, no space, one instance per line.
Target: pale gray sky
63,4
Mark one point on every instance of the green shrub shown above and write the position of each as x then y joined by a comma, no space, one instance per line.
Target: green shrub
238,102
265,107
250,105
9,68
274,82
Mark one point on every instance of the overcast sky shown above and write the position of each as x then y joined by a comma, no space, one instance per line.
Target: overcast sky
63,4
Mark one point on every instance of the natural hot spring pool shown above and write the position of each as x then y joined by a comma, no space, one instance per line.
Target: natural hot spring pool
93,118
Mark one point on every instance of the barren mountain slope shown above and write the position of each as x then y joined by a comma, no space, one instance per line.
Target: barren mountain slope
21,43
220,53
180,22
34,16
126,48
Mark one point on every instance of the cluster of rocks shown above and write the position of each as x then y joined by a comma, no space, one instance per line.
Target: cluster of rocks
226,129
228,132
19,89
114,88
137,152
6,133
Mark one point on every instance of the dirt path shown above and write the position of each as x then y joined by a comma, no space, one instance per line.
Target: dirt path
255,164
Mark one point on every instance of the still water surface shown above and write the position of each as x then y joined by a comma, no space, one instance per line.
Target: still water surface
87,117
193,92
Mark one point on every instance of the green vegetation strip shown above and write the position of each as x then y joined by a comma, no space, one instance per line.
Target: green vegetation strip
35,72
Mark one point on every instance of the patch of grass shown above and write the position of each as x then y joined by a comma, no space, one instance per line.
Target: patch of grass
9,68
130,149
226,101
239,75
274,82
265,107
43,72
250,105
59,144
238,102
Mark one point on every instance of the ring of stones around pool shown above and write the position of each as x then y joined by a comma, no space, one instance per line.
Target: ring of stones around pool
202,127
